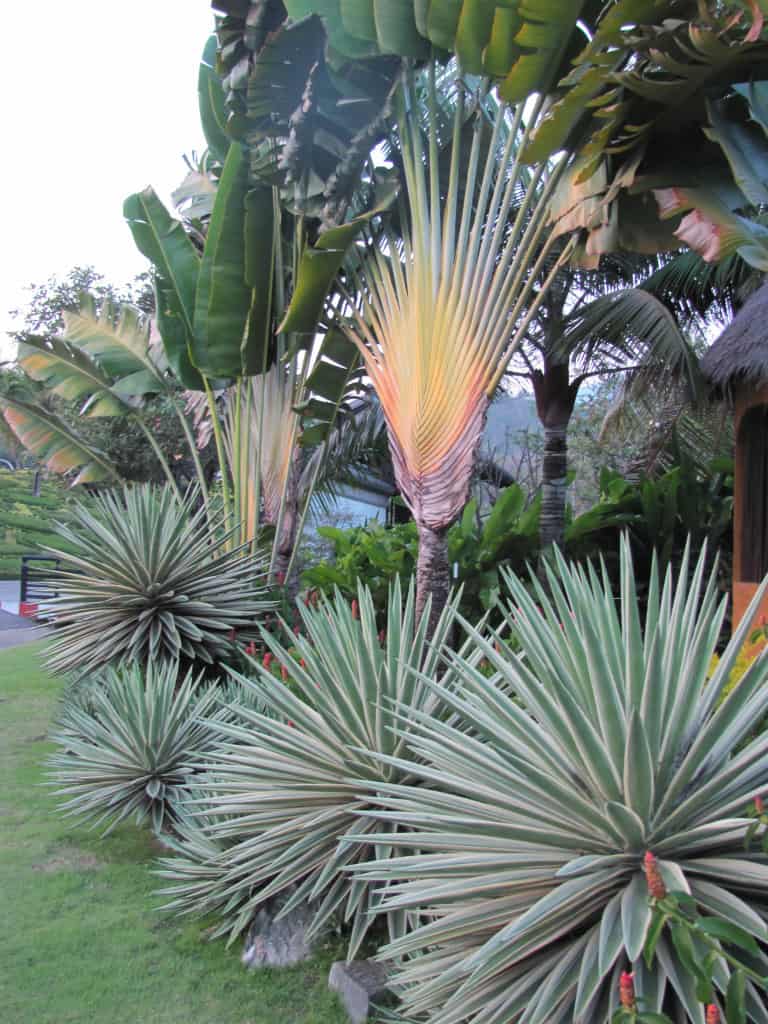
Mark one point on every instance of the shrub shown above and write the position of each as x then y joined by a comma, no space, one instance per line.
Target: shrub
149,581
536,808
125,741
508,535
284,787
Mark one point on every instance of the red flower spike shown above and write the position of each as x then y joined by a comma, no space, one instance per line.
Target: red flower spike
291,723
284,673
268,658
759,805
656,886
355,609
250,650
627,991
302,663
712,1015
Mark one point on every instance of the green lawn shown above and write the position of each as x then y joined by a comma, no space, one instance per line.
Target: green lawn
81,940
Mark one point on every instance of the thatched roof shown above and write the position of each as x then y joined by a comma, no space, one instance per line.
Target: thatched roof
740,354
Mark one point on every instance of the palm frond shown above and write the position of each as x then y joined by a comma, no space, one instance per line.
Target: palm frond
439,310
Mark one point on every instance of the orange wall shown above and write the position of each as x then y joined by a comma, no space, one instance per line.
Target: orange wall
743,592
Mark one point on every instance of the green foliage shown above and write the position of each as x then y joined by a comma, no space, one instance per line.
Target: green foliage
660,514
508,536
28,522
145,582
124,750
701,942
531,812
281,790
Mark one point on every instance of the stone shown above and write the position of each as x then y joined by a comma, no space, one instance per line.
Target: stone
274,941
358,984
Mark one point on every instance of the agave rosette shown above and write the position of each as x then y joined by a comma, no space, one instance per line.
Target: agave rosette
282,787
143,579
125,751
603,739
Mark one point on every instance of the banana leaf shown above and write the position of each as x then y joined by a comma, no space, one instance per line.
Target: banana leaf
222,298
57,446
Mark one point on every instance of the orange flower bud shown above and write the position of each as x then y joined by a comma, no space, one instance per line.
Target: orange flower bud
268,659
712,1015
302,663
759,805
355,609
284,673
656,886
627,990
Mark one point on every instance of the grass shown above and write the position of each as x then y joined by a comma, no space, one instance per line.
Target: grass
82,941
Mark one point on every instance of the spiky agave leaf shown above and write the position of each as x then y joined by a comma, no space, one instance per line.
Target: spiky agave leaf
285,789
144,579
125,751
603,740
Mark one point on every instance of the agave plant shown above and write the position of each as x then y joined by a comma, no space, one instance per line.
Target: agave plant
283,787
143,580
125,751
603,740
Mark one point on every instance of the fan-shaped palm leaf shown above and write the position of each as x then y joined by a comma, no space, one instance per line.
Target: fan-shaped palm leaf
438,313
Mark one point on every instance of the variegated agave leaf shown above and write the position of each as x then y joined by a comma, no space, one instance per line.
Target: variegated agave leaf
124,751
603,739
285,786
142,580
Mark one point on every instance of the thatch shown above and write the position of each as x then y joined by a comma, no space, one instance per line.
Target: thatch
740,354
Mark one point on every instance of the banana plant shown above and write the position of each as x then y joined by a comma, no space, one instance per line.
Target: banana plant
437,310
107,360
715,225
521,44
308,116
41,431
655,101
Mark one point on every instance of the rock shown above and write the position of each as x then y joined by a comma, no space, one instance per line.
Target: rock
359,984
279,943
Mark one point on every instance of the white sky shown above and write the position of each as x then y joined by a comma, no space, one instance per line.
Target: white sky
99,100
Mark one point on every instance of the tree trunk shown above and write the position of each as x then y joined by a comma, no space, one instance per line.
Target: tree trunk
433,574
555,399
554,486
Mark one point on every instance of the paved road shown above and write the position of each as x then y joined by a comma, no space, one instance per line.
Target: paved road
9,595
15,629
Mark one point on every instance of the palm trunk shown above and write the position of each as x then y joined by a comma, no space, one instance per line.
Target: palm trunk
433,575
554,486
555,399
